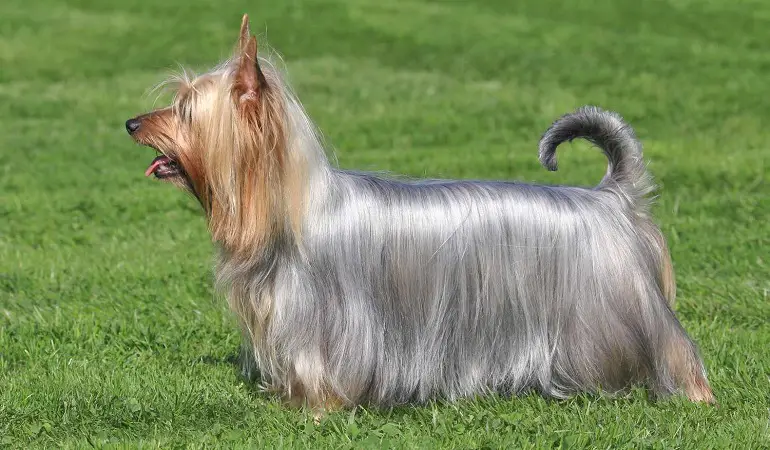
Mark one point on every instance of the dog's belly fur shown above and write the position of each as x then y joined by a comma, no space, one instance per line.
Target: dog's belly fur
408,291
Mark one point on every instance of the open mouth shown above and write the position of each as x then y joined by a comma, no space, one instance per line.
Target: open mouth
163,167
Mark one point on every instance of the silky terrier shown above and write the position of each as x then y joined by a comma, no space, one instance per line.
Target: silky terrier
354,288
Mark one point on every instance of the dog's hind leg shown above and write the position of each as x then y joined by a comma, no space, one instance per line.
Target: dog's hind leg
680,368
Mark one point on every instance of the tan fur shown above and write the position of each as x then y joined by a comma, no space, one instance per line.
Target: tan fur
319,402
667,279
218,123
686,372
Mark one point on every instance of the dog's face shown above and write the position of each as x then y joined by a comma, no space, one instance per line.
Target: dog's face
207,111
223,140
186,133
165,131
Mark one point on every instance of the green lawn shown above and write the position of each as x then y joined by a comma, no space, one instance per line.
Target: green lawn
110,332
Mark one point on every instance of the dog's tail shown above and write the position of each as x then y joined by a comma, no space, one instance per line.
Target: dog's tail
626,173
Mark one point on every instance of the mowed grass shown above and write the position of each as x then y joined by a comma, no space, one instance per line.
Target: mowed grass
110,332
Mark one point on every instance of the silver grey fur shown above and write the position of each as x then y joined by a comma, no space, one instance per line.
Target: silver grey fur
404,290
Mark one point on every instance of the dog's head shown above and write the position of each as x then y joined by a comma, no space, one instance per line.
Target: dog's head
223,139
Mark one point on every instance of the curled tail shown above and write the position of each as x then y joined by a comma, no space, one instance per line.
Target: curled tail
626,172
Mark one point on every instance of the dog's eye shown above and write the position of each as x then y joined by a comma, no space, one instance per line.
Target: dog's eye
184,111
187,115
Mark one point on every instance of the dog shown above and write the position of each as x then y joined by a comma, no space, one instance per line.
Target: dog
352,288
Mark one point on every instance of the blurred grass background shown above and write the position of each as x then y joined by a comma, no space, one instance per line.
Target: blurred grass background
110,333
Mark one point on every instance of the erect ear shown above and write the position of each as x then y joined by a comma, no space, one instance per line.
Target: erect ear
245,33
248,78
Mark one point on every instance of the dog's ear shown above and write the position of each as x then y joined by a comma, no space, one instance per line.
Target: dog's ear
248,79
243,38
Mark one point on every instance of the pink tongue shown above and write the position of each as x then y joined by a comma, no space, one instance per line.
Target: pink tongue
155,163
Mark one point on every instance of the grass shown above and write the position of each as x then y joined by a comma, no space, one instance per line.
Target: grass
110,333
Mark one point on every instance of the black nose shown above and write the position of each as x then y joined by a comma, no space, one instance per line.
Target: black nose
132,125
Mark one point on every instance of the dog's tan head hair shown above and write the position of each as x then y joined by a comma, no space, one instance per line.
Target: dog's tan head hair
224,139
